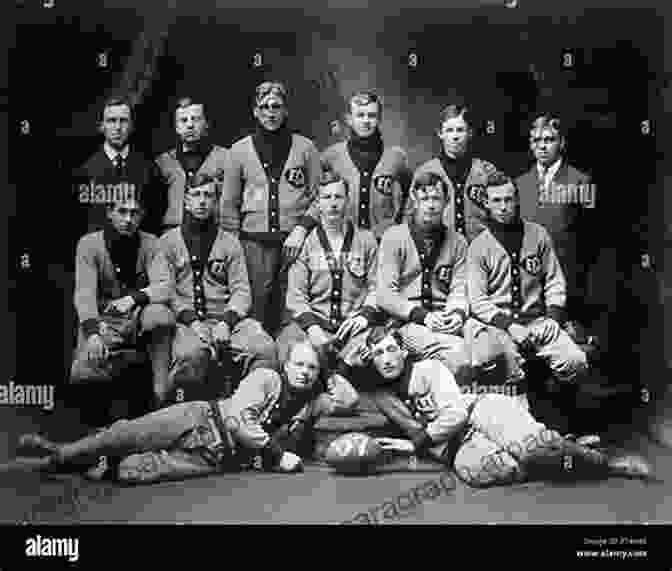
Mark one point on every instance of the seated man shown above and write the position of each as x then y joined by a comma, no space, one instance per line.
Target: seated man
331,294
212,297
490,438
122,288
266,425
422,279
517,292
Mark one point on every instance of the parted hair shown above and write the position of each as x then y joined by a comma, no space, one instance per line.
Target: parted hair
548,121
428,179
364,97
453,110
500,178
184,102
115,100
379,332
330,176
199,179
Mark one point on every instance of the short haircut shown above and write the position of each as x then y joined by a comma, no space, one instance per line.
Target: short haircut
330,176
453,110
499,178
379,332
114,101
364,97
428,179
268,88
184,102
548,121
199,179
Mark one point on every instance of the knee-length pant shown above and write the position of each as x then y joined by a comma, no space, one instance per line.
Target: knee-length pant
451,350
191,355
503,435
121,337
490,344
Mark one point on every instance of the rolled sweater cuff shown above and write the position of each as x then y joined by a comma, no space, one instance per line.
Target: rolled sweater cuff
418,315
306,320
461,313
186,316
140,298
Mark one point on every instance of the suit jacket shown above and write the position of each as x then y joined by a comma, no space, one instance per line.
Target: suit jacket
566,210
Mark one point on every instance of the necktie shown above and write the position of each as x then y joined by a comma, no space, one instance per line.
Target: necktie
119,165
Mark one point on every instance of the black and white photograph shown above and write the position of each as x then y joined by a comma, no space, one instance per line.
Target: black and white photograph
320,262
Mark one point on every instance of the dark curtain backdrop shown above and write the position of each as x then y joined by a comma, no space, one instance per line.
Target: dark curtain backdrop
506,63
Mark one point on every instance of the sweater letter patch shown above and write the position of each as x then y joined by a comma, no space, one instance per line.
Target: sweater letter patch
532,265
296,177
356,265
383,184
218,270
478,194
444,274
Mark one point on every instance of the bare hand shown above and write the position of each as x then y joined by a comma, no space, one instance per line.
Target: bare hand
121,305
396,444
221,333
548,332
290,462
434,320
293,244
318,336
203,331
452,323
96,350
351,327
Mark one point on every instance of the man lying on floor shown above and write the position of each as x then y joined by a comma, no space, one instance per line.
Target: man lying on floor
265,425
489,439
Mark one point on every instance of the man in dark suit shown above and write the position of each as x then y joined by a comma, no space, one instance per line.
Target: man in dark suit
117,169
562,199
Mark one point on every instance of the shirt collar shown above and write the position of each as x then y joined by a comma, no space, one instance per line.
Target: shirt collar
551,171
112,153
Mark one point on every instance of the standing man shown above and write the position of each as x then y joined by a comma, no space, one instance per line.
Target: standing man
378,177
489,439
422,279
194,154
116,168
559,197
331,294
517,291
122,291
212,298
269,186
265,425
463,174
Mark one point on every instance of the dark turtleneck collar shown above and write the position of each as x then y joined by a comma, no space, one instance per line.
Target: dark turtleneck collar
192,159
421,235
199,235
273,147
457,168
123,252
365,152
508,235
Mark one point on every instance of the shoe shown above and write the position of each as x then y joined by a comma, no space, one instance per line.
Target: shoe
37,443
589,440
630,466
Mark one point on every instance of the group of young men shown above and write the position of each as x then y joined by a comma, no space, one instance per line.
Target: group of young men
419,282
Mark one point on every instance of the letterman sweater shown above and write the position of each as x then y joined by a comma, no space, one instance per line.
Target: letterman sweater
412,282
320,295
264,194
508,283
98,280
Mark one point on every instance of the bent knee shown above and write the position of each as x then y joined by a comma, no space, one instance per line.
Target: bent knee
157,315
